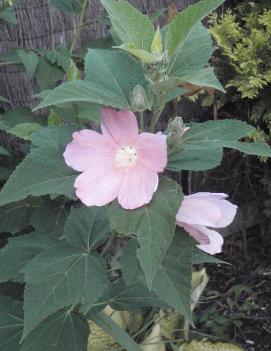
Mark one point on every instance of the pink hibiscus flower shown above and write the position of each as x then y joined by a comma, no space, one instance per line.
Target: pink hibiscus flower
119,163
201,210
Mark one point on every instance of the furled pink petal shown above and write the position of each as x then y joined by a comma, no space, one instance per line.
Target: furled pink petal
137,188
209,209
89,149
98,187
152,150
210,240
120,126
216,241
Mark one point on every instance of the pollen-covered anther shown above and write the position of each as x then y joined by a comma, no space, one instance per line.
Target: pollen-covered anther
126,157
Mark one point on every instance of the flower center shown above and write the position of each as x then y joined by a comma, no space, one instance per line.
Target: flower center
126,158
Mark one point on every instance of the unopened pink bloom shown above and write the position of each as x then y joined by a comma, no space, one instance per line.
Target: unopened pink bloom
119,163
201,210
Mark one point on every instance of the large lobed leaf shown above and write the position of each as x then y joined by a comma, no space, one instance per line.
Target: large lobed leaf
187,66
11,323
43,171
201,147
182,24
153,224
60,277
131,25
68,273
90,224
172,283
111,76
15,217
19,251
49,218
62,331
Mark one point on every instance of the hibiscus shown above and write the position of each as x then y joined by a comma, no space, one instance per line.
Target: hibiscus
201,210
119,163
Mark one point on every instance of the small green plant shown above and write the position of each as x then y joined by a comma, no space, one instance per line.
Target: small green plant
244,37
231,310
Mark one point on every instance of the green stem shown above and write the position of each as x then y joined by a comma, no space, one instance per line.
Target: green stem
8,63
80,25
155,118
141,120
109,244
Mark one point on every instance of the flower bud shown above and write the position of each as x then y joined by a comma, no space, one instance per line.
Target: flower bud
175,130
138,98
157,44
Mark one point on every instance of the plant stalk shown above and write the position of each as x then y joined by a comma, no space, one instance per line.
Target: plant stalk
141,120
155,118
80,25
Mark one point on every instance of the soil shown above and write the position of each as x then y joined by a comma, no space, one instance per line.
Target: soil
250,257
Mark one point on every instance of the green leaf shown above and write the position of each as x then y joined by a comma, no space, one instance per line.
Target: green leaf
5,173
11,323
62,331
204,78
20,122
4,152
30,61
202,146
8,15
15,217
173,281
110,78
87,227
131,25
108,325
49,218
3,99
68,5
132,297
153,224
258,148
199,257
53,74
181,25
25,130
60,277
19,251
130,267
91,112
190,67
43,171
188,59
60,57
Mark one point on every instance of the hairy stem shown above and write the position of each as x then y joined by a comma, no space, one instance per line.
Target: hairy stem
155,118
141,121
80,25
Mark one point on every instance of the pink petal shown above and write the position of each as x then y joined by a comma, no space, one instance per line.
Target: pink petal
216,241
119,126
206,209
210,240
137,188
87,149
98,187
152,149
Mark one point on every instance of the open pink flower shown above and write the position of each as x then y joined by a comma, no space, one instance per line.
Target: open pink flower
201,210
119,163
